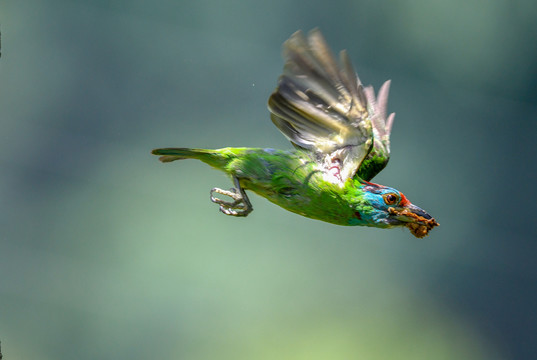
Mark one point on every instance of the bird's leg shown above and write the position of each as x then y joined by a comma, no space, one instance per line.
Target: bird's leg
335,168
241,206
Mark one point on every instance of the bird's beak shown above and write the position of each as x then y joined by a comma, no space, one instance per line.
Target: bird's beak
416,219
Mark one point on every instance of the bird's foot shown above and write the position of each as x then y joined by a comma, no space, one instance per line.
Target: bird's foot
241,205
334,168
335,171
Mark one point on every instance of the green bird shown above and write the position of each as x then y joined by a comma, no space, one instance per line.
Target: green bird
341,136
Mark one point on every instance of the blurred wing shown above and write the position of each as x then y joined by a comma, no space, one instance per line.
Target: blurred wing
378,157
320,105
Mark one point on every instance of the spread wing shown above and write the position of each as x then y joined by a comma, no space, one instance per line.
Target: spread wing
321,106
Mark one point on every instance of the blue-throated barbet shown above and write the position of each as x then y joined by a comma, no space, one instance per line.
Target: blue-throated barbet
340,131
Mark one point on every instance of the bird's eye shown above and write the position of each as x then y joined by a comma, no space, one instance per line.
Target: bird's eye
390,199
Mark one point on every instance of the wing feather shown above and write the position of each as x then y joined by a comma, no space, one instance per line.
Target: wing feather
321,106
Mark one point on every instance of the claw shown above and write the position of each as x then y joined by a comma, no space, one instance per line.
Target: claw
241,206
335,168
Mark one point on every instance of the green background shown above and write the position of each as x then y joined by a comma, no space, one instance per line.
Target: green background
105,253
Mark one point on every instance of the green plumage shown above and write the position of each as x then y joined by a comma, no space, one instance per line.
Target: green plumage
340,131
287,178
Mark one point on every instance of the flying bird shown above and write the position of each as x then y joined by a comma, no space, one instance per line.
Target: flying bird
340,131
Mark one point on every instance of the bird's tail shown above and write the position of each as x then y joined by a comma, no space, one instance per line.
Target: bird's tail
216,158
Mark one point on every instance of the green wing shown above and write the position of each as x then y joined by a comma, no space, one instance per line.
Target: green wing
378,157
321,106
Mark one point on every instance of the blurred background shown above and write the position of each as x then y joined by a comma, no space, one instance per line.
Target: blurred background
105,253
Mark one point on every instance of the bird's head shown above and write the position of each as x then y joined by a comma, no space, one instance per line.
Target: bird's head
383,206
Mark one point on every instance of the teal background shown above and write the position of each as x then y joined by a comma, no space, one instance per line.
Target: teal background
105,253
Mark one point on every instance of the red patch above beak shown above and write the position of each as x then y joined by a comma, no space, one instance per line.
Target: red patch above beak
404,201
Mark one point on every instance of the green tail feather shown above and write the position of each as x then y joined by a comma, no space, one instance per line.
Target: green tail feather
215,158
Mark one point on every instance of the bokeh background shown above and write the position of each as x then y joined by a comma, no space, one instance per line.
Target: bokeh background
105,253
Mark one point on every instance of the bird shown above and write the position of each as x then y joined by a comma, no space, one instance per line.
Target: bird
340,133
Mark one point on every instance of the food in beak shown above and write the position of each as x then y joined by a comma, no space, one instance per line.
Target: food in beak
419,226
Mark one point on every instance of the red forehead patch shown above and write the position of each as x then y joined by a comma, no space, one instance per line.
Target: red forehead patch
404,201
